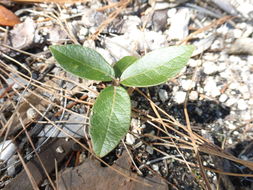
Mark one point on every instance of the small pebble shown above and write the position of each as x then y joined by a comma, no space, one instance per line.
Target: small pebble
193,95
7,149
180,97
155,167
237,33
250,102
246,116
230,141
11,168
242,105
194,63
187,84
83,31
31,113
231,126
163,95
211,89
231,101
210,68
236,133
130,140
234,86
134,103
223,98
150,149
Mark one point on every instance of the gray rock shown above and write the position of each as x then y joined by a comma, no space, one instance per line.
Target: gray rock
242,46
159,20
163,95
11,168
92,18
150,149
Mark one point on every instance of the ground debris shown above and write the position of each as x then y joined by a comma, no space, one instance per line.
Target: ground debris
90,175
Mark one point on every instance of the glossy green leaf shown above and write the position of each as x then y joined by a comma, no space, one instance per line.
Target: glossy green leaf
157,67
110,119
122,64
83,62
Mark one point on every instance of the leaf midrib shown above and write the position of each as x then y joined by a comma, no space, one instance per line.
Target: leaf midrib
109,121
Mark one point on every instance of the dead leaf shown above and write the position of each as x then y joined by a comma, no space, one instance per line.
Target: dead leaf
90,175
7,18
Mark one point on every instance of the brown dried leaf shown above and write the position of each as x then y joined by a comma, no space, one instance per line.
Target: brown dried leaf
7,18
90,175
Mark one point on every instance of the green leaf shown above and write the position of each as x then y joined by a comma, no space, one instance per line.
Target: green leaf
122,64
83,62
110,119
157,67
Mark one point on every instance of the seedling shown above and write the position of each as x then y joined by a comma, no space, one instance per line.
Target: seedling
111,113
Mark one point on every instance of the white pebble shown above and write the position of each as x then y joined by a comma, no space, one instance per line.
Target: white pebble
211,89
234,86
250,102
231,126
230,141
155,167
242,105
130,140
237,33
187,84
179,24
163,95
194,63
180,97
246,116
236,133
223,98
83,31
193,95
231,101
209,68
